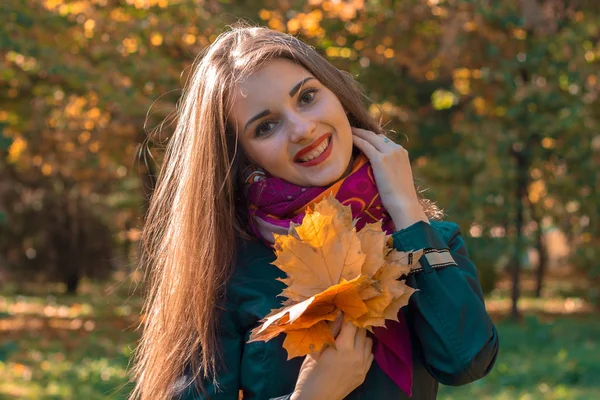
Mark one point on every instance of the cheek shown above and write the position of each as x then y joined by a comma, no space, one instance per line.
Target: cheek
341,119
268,154
248,151
345,129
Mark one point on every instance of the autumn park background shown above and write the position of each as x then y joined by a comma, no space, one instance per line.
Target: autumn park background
496,101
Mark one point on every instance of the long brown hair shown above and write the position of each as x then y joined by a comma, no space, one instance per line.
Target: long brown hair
197,209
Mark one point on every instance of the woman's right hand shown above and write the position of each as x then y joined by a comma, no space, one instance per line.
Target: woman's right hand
336,372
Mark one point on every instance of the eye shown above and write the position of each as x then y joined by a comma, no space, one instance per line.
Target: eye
307,96
264,128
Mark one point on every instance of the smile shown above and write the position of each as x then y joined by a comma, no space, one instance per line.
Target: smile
315,153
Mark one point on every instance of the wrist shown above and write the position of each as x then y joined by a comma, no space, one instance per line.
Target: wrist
299,395
295,396
403,217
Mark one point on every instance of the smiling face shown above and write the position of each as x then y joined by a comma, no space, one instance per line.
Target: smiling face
291,125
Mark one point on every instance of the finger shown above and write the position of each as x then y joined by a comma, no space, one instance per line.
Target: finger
346,337
366,147
368,347
378,141
360,338
370,361
390,143
384,143
336,325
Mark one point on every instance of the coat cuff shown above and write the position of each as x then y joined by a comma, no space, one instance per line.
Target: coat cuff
422,236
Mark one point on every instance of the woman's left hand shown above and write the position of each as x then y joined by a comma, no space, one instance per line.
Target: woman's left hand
393,176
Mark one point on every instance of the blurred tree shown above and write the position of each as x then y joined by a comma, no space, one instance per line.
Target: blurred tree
497,103
496,100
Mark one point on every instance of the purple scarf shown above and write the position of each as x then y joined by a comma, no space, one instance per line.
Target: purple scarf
275,203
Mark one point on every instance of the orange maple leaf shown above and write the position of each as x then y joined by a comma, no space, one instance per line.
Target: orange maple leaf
319,252
323,306
333,269
304,341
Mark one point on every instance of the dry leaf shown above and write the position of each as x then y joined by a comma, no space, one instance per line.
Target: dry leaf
372,243
304,341
377,306
331,269
343,296
325,252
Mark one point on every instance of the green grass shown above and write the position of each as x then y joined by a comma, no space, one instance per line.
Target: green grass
66,347
555,359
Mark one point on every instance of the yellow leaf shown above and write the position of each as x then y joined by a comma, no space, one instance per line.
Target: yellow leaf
304,341
391,272
376,310
404,259
332,269
327,249
327,312
18,146
388,278
391,311
372,242
156,39
350,302
343,296
369,292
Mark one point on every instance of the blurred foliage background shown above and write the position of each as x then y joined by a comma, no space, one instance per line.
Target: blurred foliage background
497,103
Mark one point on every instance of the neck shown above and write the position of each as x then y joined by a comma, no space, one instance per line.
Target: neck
348,170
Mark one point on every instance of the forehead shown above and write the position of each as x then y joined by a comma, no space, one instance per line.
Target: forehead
275,73
267,85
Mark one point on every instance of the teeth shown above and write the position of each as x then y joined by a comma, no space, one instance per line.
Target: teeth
316,152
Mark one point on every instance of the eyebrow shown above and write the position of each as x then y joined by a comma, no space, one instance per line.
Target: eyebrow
299,85
257,116
267,112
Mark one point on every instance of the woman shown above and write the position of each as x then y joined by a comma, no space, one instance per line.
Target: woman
266,127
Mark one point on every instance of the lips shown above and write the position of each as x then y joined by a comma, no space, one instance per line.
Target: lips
311,147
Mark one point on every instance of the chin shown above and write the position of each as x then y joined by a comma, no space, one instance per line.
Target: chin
329,179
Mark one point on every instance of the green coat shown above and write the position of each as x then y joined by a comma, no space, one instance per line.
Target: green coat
454,340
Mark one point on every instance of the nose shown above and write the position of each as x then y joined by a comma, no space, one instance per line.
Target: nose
300,127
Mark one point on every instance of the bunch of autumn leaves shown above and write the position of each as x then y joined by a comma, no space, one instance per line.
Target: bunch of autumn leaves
332,269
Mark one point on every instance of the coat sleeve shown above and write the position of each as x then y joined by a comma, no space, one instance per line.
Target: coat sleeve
447,314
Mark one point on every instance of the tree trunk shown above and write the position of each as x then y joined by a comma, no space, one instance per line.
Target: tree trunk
522,159
516,269
540,243
543,262
72,282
